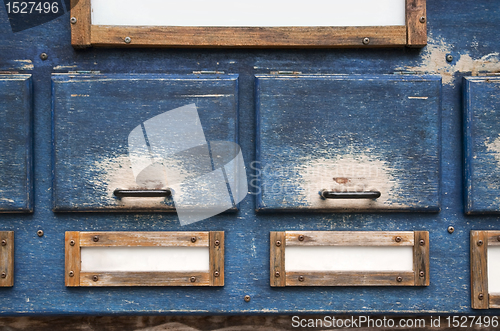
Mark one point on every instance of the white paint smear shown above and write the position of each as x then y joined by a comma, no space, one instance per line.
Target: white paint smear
494,147
257,13
348,258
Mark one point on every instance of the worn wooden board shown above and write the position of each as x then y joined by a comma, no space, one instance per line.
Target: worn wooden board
16,165
482,144
348,133
7,258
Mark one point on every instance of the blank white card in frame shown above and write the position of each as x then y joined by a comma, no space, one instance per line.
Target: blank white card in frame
255,13
494,269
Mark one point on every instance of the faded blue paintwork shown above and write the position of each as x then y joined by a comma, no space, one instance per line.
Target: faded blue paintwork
482,144
39,281
348,133
16,140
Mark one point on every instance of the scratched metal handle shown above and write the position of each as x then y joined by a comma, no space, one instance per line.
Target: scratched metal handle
142,193
350,195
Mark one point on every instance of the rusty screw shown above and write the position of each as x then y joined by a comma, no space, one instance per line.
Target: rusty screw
366,41
216,274
71,273
4,242
421,273
480,296
217,243
40,233
480,243
247,298
44,56
301,238
4,275
277,274
278,243
95,239
193,279
422,19
72,242
422,242
398,239
399,279
193,239
451,229
73,20
301,278
95,278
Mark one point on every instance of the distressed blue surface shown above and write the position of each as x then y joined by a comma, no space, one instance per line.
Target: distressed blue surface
39,281
348,133
16,164
482,144
94,115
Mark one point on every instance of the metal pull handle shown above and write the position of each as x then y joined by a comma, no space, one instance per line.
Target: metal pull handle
350,195
142,193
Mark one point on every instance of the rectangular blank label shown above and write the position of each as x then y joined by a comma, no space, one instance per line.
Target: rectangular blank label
108,259
256,13
348,258
494,269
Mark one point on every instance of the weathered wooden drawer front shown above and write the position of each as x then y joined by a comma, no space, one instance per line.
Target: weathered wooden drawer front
482,144
94,115
371,135
16,188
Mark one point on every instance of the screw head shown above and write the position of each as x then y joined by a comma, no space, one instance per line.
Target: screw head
398,239
3,275
301,238
73,20
480,296
451,229
449,57
278,243
127,40
422,19
4,242
421,273
72,243
95,278
301,278
40,233
71,273
95,239
480,243
192,279
277,274
193,239
217,243
247,298
498,238
366,41
422,242
399,279
216,274
44,56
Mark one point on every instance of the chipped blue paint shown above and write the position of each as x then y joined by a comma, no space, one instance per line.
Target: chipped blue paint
39,281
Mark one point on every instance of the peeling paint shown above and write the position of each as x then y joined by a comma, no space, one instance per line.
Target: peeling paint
20,65
494,147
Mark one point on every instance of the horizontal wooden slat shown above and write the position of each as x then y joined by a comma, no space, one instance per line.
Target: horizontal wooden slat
349,238
493,238
494,300
165,36
164,239
348,278
145,279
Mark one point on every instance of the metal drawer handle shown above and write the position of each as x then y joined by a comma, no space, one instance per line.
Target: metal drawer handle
350,195
142,193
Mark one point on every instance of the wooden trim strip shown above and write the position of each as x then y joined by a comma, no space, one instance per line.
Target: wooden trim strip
349,238
478,269
81,29
277,262
493,238
129,239
421,258
73,259
350,278
7,259
494,301
145,279
165,36
416,23
216,258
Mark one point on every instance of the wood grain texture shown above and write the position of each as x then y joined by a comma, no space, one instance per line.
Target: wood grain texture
277,245
80,31
416,27
421,258
145,279
494,301
384,135
382,36
349,278
482,145
493,238
16,137
7,258
183,239
216,258
479,269
349,238
73,261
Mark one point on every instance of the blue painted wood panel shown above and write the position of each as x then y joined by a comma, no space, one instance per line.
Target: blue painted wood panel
16,167
482,144
94,115
348,134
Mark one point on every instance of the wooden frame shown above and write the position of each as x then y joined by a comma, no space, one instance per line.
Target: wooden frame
6,258
419,240
74,277
479,242
84,34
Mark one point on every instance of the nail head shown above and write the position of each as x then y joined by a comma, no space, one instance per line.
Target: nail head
399,279
278,243
72,243
301,238
398,239
73,20
40,233
44,56
366,41
480,243
422,19
95,239
4,242
128,40
95,278
193,239
422,242
71,273
451,229
193,279
4,275
247,298
301,278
